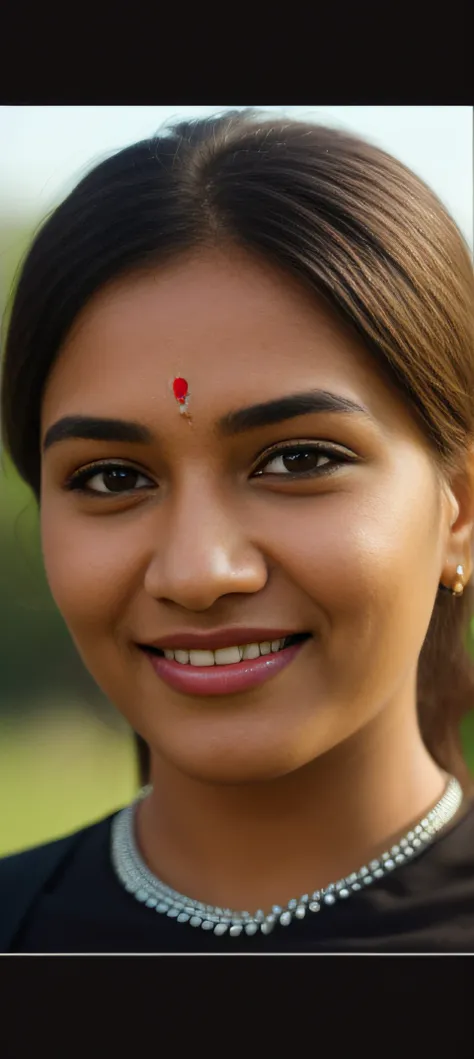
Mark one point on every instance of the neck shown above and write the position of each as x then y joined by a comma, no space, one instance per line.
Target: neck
253,845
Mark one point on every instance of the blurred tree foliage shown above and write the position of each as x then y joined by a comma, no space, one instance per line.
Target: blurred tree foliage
36,650
37,654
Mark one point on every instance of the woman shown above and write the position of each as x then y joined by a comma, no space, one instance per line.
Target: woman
239,380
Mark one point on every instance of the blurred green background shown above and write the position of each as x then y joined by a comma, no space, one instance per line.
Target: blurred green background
66,756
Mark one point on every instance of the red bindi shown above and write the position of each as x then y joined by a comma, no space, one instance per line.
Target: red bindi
180,390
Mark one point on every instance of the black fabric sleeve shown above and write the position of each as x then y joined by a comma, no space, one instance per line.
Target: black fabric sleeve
22,878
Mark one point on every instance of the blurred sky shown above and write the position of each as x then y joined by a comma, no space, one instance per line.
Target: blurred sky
45,150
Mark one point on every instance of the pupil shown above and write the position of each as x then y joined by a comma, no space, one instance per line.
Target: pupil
116,477
300,461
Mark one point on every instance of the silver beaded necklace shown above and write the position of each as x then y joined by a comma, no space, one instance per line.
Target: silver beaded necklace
150,891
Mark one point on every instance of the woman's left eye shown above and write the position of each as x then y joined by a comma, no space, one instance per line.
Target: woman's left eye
111,477
303,461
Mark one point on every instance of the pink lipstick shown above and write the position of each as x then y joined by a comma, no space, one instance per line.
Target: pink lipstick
208,680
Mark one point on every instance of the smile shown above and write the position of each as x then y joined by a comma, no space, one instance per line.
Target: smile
225,670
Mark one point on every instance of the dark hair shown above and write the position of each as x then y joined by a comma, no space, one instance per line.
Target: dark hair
356,226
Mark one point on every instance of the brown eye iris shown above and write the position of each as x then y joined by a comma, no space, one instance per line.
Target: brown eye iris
107,480
119,479
302,462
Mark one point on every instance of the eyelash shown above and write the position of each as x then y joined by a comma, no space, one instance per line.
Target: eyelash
77,481
337,457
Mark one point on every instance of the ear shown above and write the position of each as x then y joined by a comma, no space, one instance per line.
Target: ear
459,493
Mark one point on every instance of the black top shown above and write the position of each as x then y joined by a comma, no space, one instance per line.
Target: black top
425,905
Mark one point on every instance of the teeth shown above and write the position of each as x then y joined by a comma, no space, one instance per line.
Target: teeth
224,656
183,656
251,650
199,658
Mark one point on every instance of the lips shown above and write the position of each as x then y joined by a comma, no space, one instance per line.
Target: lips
234,634
210,680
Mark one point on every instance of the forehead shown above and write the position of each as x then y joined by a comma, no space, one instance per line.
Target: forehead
238,330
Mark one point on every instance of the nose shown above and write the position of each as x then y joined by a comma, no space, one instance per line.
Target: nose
203,552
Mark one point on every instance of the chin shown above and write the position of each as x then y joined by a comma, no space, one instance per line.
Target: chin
232,764
231,773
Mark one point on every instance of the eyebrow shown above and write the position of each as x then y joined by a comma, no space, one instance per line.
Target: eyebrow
297,404
92,428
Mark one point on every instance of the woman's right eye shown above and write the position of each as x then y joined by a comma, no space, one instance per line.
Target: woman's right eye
111,476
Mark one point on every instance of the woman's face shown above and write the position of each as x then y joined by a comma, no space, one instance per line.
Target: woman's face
220,525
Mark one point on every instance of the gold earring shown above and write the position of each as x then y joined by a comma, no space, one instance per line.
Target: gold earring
458,587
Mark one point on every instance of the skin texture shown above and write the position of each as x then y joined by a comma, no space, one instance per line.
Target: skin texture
261,795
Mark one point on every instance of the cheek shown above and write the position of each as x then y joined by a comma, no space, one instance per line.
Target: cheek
368,563
91,566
